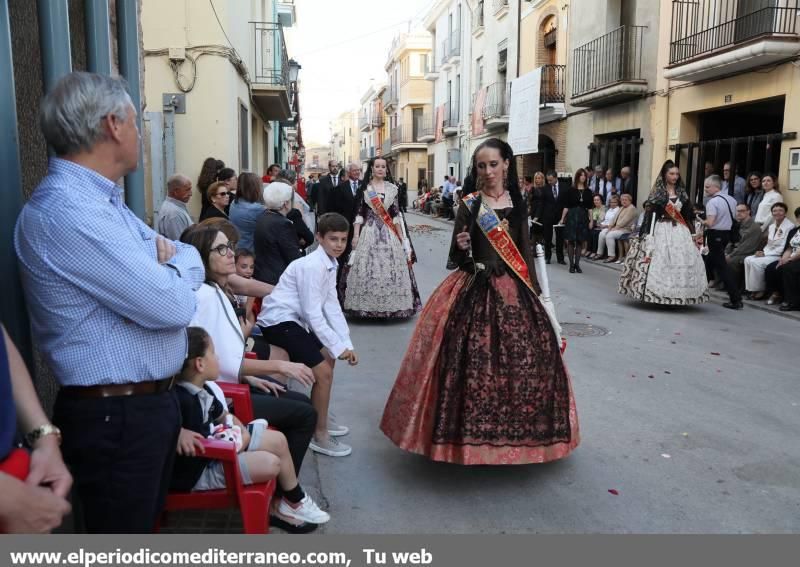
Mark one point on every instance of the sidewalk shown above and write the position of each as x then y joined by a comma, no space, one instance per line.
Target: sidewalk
717,296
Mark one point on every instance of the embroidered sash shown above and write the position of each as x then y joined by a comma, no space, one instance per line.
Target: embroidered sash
675,214
377,205
501,240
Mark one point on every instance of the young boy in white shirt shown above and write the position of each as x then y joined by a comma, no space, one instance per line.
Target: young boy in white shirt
302,315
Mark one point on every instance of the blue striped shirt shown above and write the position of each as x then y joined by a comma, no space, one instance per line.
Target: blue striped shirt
103,310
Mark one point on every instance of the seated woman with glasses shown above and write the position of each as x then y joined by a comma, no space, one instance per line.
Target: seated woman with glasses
219,197
292,412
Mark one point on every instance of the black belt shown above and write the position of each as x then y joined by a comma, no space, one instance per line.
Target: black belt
116,390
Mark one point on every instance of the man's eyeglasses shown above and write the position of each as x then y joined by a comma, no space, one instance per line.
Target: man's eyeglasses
224,249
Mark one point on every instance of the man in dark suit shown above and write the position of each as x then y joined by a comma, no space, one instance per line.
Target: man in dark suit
326,185
627,182
402,194
550,209
342,200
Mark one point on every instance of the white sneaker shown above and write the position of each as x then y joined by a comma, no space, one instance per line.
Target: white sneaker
308,511
336,430
331,447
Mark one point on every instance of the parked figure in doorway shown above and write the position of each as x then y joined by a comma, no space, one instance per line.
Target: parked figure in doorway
173,217
378,281
551,206
664,266
483,381
753,192
576,218
735,190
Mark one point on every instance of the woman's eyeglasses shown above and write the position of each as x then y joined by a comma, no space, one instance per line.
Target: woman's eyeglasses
225,194
224,249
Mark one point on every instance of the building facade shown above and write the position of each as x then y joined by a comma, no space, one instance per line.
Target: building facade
345,138
406,102
730,69
218,82
371,123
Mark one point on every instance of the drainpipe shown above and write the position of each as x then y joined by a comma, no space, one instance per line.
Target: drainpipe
128,41
54,40
12,301
98,37
519,32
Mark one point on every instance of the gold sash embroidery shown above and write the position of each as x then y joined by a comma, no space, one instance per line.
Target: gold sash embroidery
501,240
377,206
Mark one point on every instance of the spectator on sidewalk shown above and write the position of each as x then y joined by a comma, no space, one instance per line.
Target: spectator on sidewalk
624,223
173,217
36,501
749,243
718,223
754,193
247,209
737,191
605,225
772,195
219,197
755,265
109,300
208,175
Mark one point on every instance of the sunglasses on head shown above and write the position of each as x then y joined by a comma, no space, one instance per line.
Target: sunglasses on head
224,193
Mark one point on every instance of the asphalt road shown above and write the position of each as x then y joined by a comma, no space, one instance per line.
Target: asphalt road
690,414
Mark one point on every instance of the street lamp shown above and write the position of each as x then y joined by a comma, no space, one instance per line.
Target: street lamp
294,70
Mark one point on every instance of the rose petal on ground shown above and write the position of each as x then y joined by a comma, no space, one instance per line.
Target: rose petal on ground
666,455
613,491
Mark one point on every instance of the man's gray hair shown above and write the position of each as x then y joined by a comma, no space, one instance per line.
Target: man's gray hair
177,181
714,180
287,174
276,194
71,115
354,164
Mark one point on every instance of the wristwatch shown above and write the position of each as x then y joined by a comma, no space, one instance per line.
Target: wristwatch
43,430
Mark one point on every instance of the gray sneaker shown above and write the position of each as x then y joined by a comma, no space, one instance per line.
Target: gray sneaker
334,429
330,446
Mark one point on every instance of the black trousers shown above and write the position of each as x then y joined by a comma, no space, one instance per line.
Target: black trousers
715,261
774,278
121,451
293,414
791,283
547,235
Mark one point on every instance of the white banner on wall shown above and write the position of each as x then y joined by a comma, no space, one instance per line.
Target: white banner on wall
523,120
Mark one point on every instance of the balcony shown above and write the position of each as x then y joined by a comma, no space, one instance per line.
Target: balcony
406,137
431,69
377,120
386,148
609,68
427,130
551,93
500,8
363,122
270,80
451,118
367,153
455,46
444,55
390,99
477,20
712,38
495,110
363,154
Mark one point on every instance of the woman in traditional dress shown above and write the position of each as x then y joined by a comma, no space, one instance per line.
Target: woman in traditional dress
483,381
576,218
664,265
378,281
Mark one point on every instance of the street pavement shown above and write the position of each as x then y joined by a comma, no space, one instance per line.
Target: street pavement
689,420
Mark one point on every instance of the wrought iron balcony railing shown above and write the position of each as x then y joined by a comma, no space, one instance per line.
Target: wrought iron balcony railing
270,61
552,87
477,17
701,27
611,58
496,100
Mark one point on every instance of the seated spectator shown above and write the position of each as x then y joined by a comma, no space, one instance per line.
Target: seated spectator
245,265
291,413
596,220
303,315
756,265
275,238
263,453
35,500
605,224
776,273
247,208
748,244
624,242
300,213
219,197
173,217
624,223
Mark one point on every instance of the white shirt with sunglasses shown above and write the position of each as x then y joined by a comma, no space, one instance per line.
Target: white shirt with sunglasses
215,314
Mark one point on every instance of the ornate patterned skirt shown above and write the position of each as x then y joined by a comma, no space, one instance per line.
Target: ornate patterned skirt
380,282
665,268
483,381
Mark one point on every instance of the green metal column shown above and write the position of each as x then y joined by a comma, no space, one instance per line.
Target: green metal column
128,41
12,303
98,36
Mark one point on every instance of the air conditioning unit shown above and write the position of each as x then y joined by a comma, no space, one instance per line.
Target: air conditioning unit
794,169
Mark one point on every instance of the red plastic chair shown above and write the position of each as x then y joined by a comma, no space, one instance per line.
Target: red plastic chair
252,499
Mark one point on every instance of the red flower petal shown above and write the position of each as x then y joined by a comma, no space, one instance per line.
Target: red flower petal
613,491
